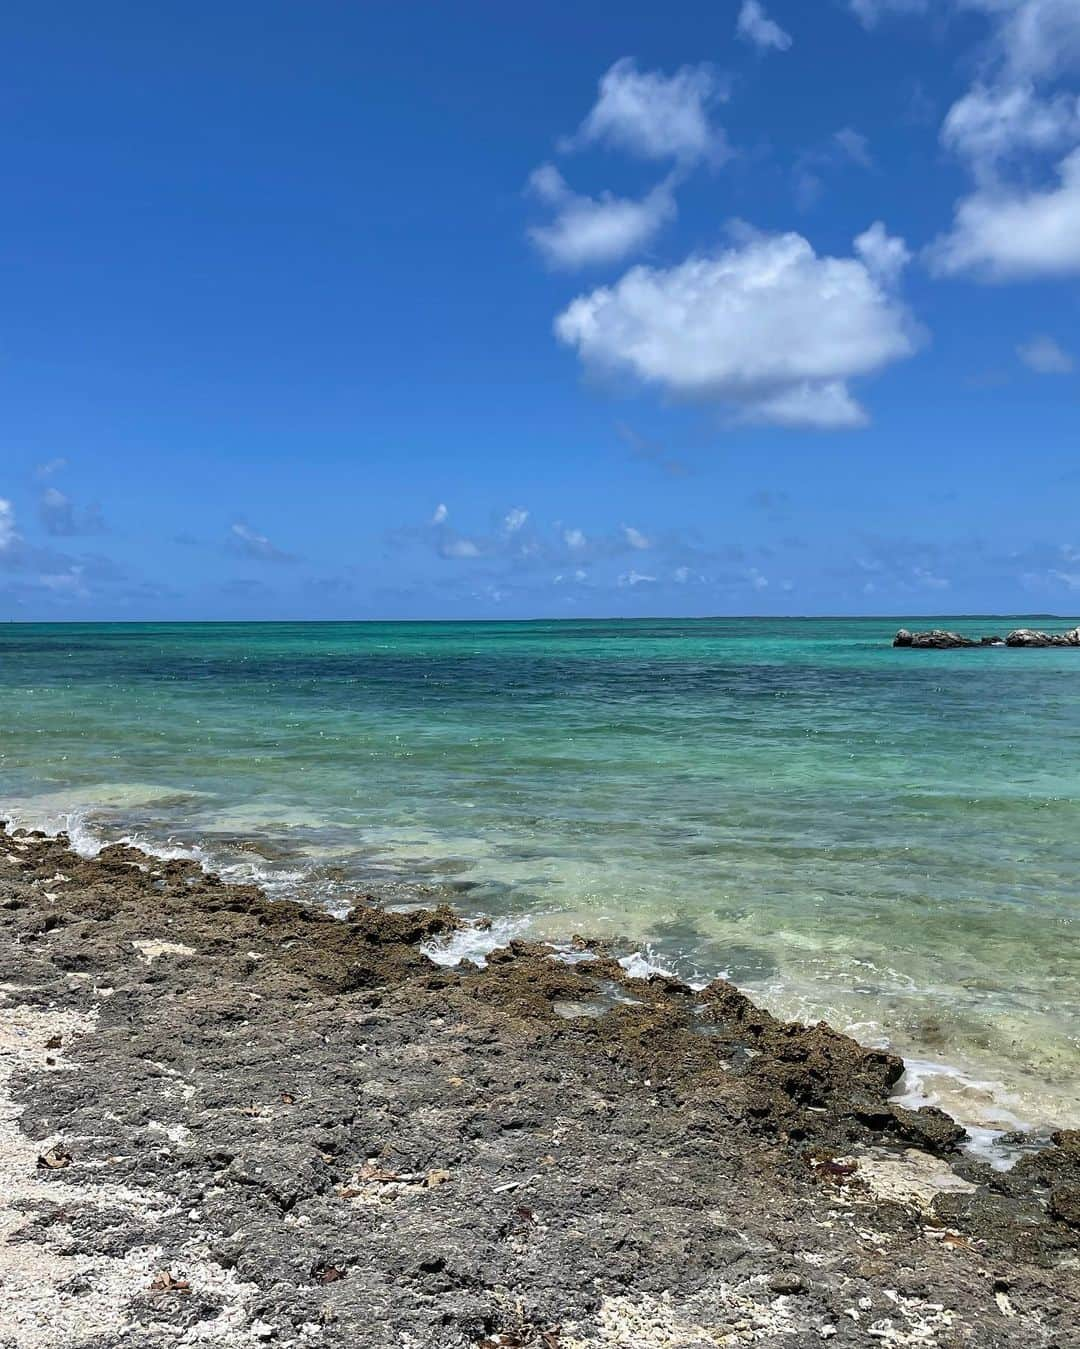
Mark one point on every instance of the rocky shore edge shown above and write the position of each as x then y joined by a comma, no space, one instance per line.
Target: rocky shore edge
235,1121
943,637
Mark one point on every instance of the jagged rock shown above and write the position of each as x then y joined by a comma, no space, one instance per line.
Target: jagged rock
929,1127
1034,637
311,1124
938,637
1065,1204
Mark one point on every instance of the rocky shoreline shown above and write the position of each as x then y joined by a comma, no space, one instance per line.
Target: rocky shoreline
943,637
241,1122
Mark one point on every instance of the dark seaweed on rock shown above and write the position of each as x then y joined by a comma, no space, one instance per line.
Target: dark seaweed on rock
385,1152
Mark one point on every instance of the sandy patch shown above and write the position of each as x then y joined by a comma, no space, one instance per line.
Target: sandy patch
54,1300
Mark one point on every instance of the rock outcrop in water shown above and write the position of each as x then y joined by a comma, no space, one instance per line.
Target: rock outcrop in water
940,638
1032,637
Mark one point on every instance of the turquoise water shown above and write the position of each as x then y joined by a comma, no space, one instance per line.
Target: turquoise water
888,839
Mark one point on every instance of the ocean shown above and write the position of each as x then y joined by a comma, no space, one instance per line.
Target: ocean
885,839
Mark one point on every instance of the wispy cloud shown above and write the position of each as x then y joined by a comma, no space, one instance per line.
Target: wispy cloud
656,116
61,519
591,230
247,542
871,12
51,466
635,578
8,535
1043,355
755,26
844,147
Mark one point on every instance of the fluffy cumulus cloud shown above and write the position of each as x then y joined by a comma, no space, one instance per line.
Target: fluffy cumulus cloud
247,542
590,230
755,26
1043,355
1022,220
885,255
766,327
653,115
1005,233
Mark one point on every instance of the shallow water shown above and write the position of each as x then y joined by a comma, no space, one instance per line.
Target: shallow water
886,839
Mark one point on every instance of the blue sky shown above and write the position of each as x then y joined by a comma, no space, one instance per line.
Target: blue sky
340,310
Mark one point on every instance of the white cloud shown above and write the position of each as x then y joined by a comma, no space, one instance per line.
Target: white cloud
826,406
1043,355
635,578
635,538
594,230
993,123
924,577
7,525
458,547
574,539
755,26
767,327
884,255
1006,228
1036,39
246,542
515,520
654,115
440,514
1005,233
50,467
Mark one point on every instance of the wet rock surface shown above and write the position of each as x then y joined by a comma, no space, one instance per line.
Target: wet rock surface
244,1122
